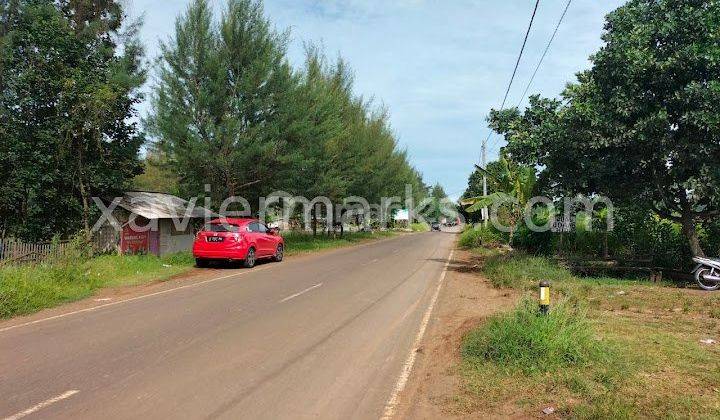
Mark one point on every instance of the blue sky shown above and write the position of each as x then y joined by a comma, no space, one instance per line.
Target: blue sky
439,66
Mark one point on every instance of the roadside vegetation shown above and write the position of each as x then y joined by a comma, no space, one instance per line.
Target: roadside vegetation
80,71
303,243
419,227
28,288
623,346
610,348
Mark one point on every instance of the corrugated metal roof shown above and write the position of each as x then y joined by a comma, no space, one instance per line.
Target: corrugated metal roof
152,205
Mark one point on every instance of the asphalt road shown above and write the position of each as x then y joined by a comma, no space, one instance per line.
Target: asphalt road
324,336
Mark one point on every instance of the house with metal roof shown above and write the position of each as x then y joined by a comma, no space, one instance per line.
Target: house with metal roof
158,223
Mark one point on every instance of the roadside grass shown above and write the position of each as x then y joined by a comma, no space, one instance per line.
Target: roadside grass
303,243
610,348
420,227
28,288
479,237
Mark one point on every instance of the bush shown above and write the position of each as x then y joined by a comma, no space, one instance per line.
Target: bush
520,271
525,341
420,227
479,235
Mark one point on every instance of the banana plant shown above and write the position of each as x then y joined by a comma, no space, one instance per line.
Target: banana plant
515,184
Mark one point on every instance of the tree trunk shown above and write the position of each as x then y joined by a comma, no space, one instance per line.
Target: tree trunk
314,221
688,229
606,249
86,209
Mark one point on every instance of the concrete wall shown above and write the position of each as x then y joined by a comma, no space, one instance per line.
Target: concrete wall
172,241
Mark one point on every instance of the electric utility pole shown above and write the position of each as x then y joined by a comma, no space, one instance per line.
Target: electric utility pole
484,166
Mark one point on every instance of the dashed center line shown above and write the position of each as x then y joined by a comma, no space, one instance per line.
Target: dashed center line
300,293
42,405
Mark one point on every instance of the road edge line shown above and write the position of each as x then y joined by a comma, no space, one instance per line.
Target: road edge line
40,406
105,305
392,403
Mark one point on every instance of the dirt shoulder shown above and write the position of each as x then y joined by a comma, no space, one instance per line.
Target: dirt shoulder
658,343
465,301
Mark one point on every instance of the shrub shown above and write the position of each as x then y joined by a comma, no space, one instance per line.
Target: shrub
524,340
479,235
420,227
519,271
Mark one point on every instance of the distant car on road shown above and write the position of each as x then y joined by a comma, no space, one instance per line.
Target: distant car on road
435,226
231,239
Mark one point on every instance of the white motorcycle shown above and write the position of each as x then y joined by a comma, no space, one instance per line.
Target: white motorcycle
707,273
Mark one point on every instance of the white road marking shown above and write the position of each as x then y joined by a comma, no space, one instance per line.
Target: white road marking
162,292
392,403
42,405
300,293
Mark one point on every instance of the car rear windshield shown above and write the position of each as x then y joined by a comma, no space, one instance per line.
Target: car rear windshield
221,227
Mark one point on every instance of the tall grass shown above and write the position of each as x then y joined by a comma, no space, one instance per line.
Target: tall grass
479,235
519,271
529,342
72,275
419,227
301,242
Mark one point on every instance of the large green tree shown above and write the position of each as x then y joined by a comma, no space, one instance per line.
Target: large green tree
230,112
217,105
643,124
70,73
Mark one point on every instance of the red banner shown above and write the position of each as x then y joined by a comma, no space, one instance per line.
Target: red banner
132,242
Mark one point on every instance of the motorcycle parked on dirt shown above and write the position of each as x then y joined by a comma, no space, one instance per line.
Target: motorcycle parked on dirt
707,273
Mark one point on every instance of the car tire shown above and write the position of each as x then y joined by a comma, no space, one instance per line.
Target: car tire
250,259
201,263
279,253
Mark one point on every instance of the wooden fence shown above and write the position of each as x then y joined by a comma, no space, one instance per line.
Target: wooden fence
13,250
17,251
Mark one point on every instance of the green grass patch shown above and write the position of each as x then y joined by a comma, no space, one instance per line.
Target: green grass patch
29,288
420,227
610,348
479,236
302,243
527,341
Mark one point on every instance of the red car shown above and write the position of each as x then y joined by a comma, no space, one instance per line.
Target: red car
245,240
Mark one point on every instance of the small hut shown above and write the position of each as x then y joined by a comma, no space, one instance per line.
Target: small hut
157,223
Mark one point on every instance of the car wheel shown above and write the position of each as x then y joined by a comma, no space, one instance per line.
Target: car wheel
250,259
279,253
201,263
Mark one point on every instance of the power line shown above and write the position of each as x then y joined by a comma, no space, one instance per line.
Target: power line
522,49
507,92
517,63
547,48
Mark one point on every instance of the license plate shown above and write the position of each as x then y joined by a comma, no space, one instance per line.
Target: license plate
215,238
